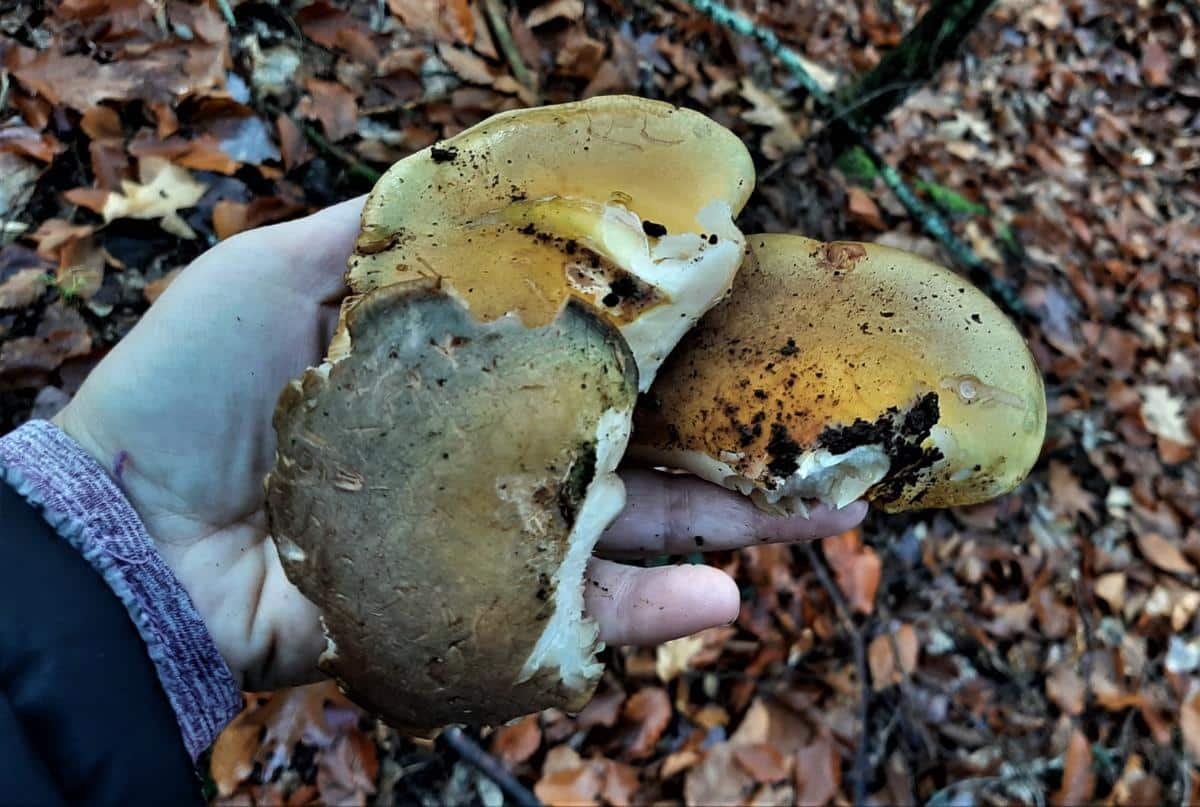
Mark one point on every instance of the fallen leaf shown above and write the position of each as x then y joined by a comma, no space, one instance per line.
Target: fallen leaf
1189,722
1067,495
763,762
81,268
162,191
467,65
1111,588
22,288
766,111
1078,781
17,178
674,657
62,334
1156,65
29,142
602,710
233,755
518,741
856,567
1163,554
1163,415
881,656
862,208
555,10
678,762
1066,688
230,218
346,773
1137,787
818,769
331,104
573,786
717,779
650,710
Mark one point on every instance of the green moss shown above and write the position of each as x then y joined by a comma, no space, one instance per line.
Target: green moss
950,201
857,166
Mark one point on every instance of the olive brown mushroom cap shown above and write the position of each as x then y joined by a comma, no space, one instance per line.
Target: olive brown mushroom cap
443,532
624,202
835,370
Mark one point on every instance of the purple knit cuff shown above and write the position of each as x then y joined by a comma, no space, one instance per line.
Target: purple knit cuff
80,500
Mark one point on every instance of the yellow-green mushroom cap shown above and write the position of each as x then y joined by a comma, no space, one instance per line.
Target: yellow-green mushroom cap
840,370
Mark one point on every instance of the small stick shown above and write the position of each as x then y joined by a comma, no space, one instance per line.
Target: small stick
489,766
227,12
860,662
504,38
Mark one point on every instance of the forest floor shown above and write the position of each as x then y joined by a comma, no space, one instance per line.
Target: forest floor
1042,647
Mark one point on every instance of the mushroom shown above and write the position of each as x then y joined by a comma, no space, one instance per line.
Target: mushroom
623,202
442,478
441,530
835,371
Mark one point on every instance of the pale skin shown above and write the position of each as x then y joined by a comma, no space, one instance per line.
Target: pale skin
183,405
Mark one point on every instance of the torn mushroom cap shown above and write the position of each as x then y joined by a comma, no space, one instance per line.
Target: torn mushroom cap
442,531
834,370
625,202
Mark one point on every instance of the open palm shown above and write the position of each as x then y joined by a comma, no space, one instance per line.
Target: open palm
180,411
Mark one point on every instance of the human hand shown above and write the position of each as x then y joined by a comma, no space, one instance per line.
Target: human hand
186,399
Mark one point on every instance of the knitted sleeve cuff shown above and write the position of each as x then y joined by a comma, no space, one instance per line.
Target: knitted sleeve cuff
79,499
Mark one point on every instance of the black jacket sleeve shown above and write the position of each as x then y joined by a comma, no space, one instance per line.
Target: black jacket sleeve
83,718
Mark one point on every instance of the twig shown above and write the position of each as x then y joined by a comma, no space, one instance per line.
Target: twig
504,38
227,12
352,163
860,662
489,766
928,218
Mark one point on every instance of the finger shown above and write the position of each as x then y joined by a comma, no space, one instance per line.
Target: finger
666,514
649,606
310,253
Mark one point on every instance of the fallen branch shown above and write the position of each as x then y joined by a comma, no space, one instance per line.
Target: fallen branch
932,42
926,216
353,164
860,662
504,39
470,752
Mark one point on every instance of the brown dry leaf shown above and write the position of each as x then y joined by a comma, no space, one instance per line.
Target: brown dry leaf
650,710
1137,787
602,710
1067,689
233,756
772,723
1156,65
862,208
102,123
1078,782
818,769
518,741
22,288
674,657
1163,554
572,786
62,334
620,782
467,65
25,140
76,81
293,145
1111,588
230,218
346,773
1067,495
162,191
436,18
678,762
885,671
763,762
555,10
717,780
81,268
333,105
1189,722
857,569
53,234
